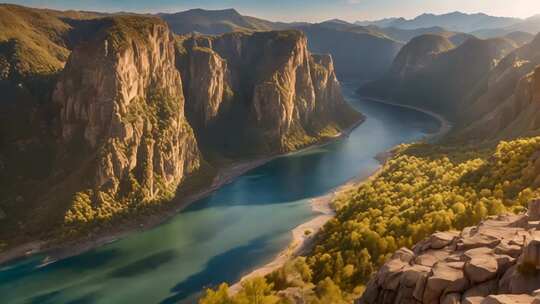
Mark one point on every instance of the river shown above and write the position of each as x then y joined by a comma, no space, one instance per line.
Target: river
220,238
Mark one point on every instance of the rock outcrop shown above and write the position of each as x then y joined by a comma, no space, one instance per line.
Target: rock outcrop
260,93
497,261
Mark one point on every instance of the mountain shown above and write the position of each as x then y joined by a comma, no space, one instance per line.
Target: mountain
358,52
373,54
386,22
455,21
530,25
520,38
215,22
504,105
429,73
104,135
262,93
419,54
405,36
108,118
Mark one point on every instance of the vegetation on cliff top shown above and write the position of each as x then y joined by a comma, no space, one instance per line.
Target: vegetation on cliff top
35,41
423,189
126,29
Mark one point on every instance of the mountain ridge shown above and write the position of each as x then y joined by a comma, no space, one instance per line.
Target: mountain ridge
444,78
455,21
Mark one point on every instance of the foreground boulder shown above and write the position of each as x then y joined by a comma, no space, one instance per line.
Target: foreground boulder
496,262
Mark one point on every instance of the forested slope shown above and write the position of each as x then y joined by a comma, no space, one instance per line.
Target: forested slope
422,189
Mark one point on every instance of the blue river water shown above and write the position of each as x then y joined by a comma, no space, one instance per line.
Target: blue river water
220,238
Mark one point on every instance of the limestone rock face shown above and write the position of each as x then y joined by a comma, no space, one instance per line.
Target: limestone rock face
494,262
120,99
207,82
266,89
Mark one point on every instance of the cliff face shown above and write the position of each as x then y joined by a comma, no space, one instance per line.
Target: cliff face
266,89
358,52
120,127
494,262
507,106
120,95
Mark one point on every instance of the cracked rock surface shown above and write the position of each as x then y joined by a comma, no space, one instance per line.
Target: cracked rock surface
497,261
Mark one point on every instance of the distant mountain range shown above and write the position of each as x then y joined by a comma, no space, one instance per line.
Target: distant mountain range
481,25
455,21
530,25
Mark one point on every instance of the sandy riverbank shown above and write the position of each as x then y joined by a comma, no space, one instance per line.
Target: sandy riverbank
301,242
54,252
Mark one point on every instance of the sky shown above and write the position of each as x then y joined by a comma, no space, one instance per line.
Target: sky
305,10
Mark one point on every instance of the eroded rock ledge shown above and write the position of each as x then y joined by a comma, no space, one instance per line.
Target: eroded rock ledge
497,261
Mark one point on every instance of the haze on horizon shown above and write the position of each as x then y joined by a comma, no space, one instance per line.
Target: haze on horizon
305,10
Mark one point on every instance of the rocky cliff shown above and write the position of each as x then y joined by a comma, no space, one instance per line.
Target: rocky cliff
120,96
358,52
266,89
494,262
119,125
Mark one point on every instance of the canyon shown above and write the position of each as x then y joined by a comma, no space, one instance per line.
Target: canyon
135,145
134,114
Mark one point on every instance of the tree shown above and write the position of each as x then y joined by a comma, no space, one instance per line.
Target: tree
329,292
219,296
256,291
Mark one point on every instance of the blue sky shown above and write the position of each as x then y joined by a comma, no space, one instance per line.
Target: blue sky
306,10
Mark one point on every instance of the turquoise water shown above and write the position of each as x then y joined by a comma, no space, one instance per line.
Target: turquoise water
220,238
